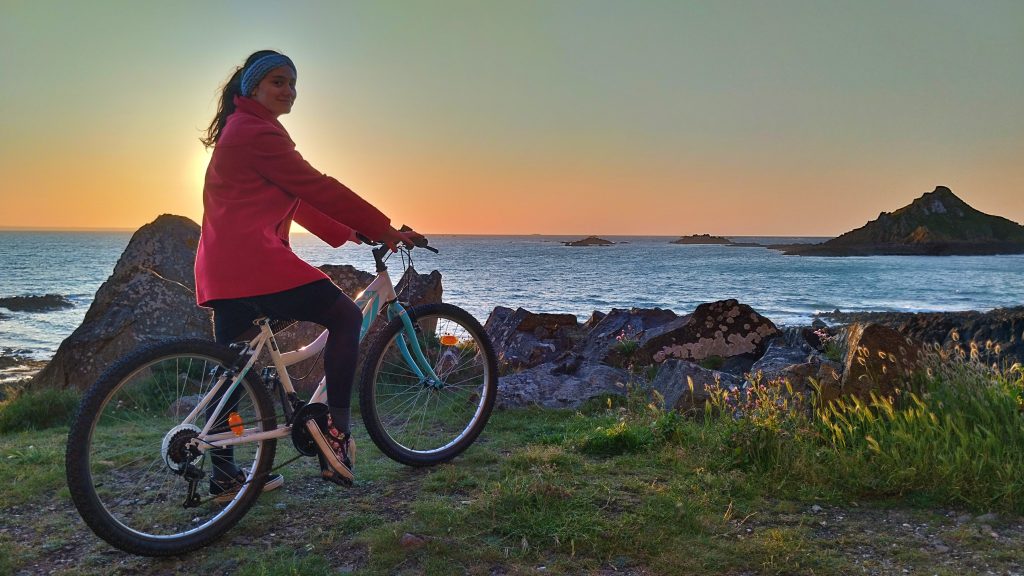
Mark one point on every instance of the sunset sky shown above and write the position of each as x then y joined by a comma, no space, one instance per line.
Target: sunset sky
518,117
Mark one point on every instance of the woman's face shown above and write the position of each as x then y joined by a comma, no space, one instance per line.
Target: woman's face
276,92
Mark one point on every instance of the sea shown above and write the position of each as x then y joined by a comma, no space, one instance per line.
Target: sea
541,274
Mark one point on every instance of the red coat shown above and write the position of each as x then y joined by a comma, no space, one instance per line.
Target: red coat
256,185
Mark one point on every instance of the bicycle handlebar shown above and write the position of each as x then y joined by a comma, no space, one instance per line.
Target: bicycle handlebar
422,244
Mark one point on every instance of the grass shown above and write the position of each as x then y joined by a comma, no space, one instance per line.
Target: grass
38,409
621,487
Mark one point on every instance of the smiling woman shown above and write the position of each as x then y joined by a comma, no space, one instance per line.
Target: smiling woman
256,186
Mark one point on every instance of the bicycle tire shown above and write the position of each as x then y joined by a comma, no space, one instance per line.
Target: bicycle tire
118,470
395,402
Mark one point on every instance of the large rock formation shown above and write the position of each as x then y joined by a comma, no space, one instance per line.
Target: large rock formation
149,296
938,223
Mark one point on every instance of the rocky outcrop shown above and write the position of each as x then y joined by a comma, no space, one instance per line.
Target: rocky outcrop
878,360
42,303
590,241
998,334
149,296
526,339
724,328
936,224
551,386
701,239
613,338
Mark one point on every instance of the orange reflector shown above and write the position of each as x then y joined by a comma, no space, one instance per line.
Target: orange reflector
449,340
235,422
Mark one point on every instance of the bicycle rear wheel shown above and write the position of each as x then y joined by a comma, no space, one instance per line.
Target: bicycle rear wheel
128,456
414,419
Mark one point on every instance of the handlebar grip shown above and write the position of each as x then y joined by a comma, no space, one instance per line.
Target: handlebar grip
421,243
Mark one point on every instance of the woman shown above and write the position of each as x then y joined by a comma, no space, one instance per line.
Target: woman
257,184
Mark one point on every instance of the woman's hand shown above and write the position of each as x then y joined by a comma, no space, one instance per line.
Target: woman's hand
407,236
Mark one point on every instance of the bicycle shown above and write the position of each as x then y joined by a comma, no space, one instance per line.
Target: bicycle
140,442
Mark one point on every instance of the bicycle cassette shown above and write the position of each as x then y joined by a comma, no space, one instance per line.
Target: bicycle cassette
301,437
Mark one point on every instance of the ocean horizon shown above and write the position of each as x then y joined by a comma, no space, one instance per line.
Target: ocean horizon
539,273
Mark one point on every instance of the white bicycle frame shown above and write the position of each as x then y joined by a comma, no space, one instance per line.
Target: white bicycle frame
369,301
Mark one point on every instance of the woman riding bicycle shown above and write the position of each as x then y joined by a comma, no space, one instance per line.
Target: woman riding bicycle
256,185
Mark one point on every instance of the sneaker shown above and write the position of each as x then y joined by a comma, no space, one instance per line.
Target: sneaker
223,492
337,452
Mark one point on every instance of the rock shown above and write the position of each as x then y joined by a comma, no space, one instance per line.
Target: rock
724,328
549,387
411,541
989,518
523,339
149,296
600,342
595,317
701,239
673,380
590,241
998,334
878,359
184,405
43,303
738,365
777,358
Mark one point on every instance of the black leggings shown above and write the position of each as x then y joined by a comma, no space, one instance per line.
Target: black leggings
320,302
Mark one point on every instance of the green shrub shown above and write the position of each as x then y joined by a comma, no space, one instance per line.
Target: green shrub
38,409
622,438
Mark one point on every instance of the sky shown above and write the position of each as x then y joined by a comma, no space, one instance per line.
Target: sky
773,117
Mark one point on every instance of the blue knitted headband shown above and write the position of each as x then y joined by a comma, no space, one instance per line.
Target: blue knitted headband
255,72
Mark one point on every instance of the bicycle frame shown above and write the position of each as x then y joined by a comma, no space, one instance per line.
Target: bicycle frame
379,297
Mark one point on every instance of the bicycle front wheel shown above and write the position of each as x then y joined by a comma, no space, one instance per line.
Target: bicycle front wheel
413,417
132,467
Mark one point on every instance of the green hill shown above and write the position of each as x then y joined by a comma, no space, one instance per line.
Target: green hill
937,223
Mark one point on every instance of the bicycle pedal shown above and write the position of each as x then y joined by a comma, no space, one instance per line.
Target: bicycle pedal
302,437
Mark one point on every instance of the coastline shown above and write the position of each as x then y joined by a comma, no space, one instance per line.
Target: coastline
17,370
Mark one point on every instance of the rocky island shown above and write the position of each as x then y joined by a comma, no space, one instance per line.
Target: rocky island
701,239
936,224
590,241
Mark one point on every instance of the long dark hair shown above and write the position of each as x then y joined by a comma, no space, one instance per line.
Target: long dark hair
231,88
